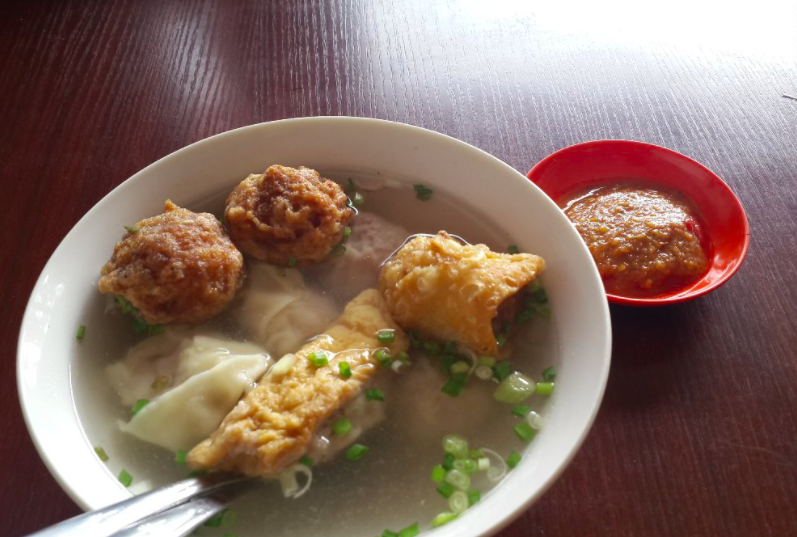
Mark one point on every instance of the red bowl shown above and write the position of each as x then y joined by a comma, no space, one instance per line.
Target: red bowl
581,166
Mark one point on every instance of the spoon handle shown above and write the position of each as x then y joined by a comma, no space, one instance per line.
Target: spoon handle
110,520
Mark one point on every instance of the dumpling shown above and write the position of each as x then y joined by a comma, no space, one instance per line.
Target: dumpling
280,312
164,361
191,380
184,416
372,240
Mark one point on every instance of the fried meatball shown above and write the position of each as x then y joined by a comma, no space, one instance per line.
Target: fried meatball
287,213
178,267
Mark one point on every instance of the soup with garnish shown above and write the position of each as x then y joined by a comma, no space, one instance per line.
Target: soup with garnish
376,390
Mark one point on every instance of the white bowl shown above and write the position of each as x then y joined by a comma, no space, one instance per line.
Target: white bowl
47,345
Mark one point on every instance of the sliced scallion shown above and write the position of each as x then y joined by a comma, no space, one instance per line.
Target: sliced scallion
125,478
500,341
356,452
459,367
458,502
534,420
448,461
358,200
101,453
489,361
197,473
346,232
515,388
474,496
446,489
410,531
438,473
139,406
292,261
338,250
389,533
460,480
318,358
453,387
449,348
215,520
513,249
180,456
375,395
549,374
483,464
345,369
455,445
513,459
386,336
342,426
307,461
422,192
525,432
483,372
81,331
521,411
432,347
467,466
132,229
383,357
502,369
545,388
403,357
443,518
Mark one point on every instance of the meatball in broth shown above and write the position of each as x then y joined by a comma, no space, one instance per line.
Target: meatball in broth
177,267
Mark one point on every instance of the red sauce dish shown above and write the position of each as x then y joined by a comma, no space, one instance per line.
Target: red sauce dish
578,168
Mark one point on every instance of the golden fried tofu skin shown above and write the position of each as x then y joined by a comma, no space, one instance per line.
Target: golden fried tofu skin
177,267
287,214
272,425
455,292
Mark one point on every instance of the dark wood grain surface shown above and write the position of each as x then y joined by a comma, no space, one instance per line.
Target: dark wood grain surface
697,434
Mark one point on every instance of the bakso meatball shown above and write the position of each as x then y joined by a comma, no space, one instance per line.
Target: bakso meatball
177,267
287,215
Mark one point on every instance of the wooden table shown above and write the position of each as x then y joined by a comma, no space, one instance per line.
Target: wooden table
697,434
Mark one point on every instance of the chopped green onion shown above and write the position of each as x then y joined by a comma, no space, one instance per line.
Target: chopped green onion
155,329
350,186
318,358
475,454
446,362
386,336
489,361
358,200
453,387
438,473
292,261
220,218
500,340
456,445
459,367
422,192
342,426
513,249
521,411
403,357
346,232
544,311
81,331
467,466
382,357
345,369
535,420
124,304
125,478
357,452
215,520
525,432
460,480
525,315
228,518
388,533
545,388
132,229
513,389
307,461
513,459
502,369
410,531
448,461
139,406
101,453
338,250
483,464
160,383
180,456
549,374
432,347
483,372
446,489
197,473
375,395
449,348
474,496
443,518
458,502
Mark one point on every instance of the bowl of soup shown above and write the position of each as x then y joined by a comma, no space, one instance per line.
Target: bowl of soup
434,368
661,227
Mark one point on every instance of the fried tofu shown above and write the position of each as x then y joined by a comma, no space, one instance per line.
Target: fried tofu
452,291
270,428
